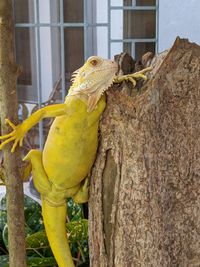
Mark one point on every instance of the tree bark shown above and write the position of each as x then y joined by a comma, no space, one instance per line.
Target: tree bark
9,72
144,207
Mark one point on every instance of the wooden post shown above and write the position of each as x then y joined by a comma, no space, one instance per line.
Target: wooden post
9,72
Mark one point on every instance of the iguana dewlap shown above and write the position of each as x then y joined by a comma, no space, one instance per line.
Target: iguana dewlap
69,153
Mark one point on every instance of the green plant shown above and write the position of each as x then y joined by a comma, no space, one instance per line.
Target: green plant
37,245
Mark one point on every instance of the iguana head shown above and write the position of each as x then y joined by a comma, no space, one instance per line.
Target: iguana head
93,79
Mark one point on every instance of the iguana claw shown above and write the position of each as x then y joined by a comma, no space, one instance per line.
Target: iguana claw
16,135
133,77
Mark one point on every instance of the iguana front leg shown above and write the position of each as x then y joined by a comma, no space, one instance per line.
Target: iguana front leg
19,131
133,77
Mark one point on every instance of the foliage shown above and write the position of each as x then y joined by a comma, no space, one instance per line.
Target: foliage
37,245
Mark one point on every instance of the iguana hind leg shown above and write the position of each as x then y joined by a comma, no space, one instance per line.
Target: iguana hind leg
54,211
83,193
40,178
47,189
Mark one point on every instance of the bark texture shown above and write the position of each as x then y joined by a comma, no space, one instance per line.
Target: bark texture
145,187
9,72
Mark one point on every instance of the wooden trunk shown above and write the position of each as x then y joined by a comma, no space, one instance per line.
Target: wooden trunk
144,207
9,72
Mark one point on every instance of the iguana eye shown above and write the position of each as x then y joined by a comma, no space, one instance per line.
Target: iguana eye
94,62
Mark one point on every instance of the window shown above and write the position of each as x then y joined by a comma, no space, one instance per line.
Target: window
136,21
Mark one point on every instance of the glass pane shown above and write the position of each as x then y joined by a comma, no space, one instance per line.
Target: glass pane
102,42
25,57
145,2
74,51
142,48
116,2
48,51
73,11
101,11
49,11
128,2
116,48
25,14
139,2
23,54
139,24
117,24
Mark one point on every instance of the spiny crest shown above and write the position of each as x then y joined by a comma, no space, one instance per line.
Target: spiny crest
74,75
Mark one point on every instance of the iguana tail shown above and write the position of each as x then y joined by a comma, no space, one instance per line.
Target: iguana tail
54,221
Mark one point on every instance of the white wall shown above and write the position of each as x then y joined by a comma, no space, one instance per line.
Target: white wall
178,18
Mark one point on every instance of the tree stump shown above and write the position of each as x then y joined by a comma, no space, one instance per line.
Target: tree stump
144,207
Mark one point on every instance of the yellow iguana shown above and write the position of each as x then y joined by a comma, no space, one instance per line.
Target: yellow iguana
61,169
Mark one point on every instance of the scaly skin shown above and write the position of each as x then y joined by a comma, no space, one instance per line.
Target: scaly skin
70,150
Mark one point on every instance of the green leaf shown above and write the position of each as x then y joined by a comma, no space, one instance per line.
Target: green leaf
3,249
4,261
5,236
77,231
37,262
31,261
74,210
3,219
37,240
3,213
33,214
